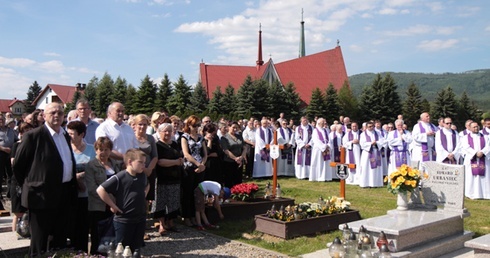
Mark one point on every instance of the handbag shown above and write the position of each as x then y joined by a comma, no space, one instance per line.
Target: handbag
23,227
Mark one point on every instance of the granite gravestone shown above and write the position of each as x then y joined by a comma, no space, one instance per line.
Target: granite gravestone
443,188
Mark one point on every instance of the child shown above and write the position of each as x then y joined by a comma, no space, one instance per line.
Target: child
207,193
129,188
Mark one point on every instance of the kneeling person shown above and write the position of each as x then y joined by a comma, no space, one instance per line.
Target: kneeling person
208,193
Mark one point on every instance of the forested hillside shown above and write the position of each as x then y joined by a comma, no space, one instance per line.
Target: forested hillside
476,83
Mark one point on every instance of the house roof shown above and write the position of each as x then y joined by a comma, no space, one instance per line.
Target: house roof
307,73
64,92
5,104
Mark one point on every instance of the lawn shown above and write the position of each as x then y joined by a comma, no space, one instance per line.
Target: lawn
370,202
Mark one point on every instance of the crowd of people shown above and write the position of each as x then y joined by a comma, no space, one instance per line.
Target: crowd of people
73,173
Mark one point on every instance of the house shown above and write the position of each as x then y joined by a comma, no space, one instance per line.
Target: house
307,72
14,106
56,93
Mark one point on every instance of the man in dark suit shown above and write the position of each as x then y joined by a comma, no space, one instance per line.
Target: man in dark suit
44,166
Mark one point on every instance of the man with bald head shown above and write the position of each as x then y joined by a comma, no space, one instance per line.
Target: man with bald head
120,133
44,166
423,145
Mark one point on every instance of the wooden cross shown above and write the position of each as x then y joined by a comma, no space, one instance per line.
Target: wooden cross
274,165
342,162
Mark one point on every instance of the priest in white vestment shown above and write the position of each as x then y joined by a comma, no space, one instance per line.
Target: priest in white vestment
423,145
302,137
336,136
476,148
398,141
447,144
285,162
352,153
371,174
262,159
321,153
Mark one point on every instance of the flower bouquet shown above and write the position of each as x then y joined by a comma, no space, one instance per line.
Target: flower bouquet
404,180
244,191
331,205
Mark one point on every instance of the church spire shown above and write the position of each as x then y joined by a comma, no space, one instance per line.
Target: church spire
302,37
260,62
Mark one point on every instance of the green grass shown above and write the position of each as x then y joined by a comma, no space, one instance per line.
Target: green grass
370,202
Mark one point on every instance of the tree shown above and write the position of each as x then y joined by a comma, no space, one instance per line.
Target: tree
145,97
467,109
120,90
426,107
316,108
199,99
179,101
331,103
390,100
32,93
129,106
445,104
245,99
276,100
228,101
412,106
104,92
347,102
259,98
216,102
73,104
91,93
370,100
292,102
164,93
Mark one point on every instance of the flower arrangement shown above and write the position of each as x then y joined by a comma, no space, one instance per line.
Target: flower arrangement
244,191
331,205
404,180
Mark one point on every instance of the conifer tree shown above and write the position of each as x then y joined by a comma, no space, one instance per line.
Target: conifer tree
259,98
229,101
179,101
390,102
90,94
73,103
467,109
276,100
293,102
370,100
216,102
129,105
164,93
331,103
426,107
144,101
348,105
32,93
104,92
445,104
120,90
412,106
199,99
316,108
245,99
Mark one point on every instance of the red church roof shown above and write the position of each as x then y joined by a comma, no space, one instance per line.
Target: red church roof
307,73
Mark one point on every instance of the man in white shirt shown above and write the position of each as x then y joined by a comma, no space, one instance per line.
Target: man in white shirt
120,133
249,138
447,144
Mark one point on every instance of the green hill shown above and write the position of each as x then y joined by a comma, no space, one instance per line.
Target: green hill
476,83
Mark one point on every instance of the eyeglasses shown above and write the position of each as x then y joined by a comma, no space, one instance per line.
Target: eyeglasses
449,123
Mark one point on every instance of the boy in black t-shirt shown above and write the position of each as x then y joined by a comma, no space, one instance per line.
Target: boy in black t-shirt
128,189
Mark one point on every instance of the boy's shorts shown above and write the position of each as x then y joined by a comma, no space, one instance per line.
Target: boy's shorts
199,203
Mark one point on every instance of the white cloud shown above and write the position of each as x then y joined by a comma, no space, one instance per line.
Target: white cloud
487,28
467,11
356,48
422,29
437,44
435,6
388,11
51,54
16,62
53,66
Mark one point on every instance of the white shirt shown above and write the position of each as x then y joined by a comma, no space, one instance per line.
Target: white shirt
249,134
122,136
64,151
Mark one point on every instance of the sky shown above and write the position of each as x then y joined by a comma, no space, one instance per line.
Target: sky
70,42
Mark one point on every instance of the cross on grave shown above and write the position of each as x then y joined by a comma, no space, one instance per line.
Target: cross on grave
274,151
342,170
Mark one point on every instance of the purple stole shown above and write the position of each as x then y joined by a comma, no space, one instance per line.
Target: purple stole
289,155
326,156
400,155
484,131
299,158
477,164
352,159
264,153
374,158
444,144
336,150
425,147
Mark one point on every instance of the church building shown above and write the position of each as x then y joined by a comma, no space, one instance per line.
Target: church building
307,72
